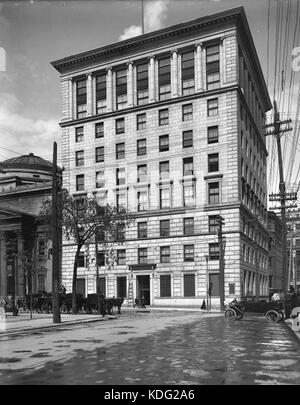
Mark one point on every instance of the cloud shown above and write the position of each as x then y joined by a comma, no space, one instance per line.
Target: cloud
130,32
155,14
25,134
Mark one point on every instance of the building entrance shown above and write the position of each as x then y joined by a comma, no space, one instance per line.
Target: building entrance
143,288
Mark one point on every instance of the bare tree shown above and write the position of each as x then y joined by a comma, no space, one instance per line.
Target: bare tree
81,219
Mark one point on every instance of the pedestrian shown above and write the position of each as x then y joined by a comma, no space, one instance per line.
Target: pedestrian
203,306
294,300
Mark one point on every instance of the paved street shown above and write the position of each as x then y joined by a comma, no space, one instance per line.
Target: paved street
154,348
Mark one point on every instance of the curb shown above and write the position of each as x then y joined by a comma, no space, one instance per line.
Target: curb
288,323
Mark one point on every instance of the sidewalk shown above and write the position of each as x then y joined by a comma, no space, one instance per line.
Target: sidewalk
23,323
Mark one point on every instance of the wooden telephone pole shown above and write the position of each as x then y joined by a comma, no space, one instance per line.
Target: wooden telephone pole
55,240
282,196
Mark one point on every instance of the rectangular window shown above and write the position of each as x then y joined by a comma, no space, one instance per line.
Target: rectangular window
189,285
80,260
101,259
100,182
142,230
141,121
188,73
213,251
121,88
142,200
141,147
80,182
81,98
99,130
189,195
165,254
142,255
120,176
214,284
212,134
121,200
102,286
213,162
213,225
187,139
165,285
213,193
188,226
164,198
41,283
164,170
163,117
164,226
164,78
120,126
187,112
188,253
121,257
100,154
212,107
79,158
188,166
120,150
121,287
142,173
101,93
79,134
213,67
142,84
164,143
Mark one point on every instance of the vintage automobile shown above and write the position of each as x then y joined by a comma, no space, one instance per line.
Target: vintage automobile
273,311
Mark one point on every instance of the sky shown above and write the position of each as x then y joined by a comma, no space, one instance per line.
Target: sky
34,33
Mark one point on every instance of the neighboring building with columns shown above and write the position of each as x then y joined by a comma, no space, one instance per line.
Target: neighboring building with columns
275,251
25,242
170,125
293,247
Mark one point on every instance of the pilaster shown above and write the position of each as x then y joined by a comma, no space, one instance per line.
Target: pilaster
89,94
152,98
109,89
130,84
174,73
3,278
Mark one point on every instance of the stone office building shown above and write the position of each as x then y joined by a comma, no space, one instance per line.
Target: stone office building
170,125
25,241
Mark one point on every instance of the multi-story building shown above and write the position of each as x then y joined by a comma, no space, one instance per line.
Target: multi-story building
293,247
170,125
25,241
275,251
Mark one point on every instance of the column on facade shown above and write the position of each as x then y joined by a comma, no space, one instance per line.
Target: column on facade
130,84
70,99
74,108
3,277
246,284
198,68
174,73
89,94
94,106
222,62
109,87
19,266
151,80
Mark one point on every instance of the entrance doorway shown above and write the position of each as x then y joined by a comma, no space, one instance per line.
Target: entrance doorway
143,288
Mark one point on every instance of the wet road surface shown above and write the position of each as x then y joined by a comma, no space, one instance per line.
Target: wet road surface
160,348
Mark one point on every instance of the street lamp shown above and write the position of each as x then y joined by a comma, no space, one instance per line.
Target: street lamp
207,284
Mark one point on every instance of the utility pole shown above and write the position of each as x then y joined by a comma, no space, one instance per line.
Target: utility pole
282,196
220,221
55,241
97,275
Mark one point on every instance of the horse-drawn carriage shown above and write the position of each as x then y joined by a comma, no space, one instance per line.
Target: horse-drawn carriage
106,304
273,311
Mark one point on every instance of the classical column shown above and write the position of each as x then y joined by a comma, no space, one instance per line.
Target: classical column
19,266
89,94
3,277
198,68
130,84
70,99
74,101
174,73
109,88
222,62
94,107
151,80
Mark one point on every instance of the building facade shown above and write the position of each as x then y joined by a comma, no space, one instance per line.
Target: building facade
25,241
170,125
275,251
293,247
